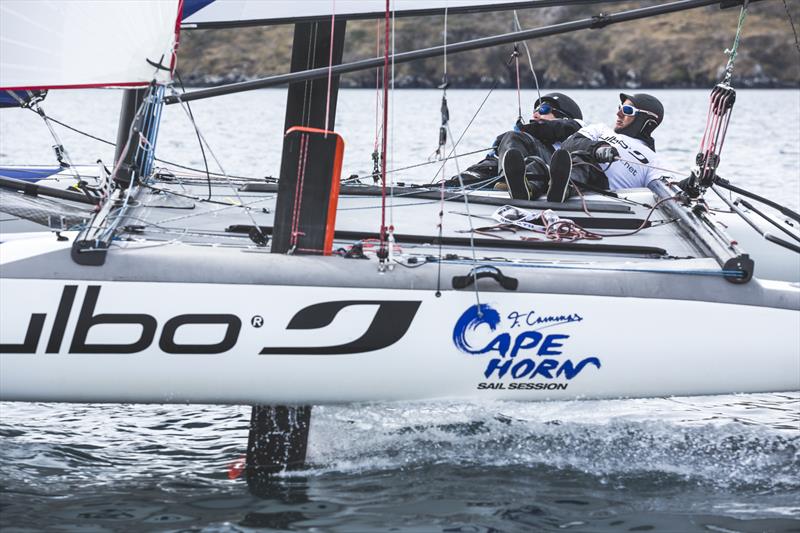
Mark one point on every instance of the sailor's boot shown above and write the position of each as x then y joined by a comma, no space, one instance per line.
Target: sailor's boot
560,169
513,167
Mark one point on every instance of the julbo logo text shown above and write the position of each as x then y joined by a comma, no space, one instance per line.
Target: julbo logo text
87,319
390,323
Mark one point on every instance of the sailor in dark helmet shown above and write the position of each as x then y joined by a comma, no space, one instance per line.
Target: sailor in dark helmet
598,157
521,156
563,106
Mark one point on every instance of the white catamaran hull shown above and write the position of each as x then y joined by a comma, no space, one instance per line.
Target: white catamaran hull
86,341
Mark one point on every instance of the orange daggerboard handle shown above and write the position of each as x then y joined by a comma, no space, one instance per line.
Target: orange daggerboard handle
308,191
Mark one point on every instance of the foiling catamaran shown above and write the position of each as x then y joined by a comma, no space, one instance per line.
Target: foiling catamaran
292,297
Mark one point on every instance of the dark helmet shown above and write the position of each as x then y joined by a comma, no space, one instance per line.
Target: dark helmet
563,103
645,122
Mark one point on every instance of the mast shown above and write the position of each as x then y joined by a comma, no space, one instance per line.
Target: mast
126,144
278,437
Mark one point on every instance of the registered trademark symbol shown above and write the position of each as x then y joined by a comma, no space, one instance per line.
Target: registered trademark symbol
257,321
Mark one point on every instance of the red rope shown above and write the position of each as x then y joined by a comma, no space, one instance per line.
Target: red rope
377,85
385,122
708,121
719,114
302,159
519,89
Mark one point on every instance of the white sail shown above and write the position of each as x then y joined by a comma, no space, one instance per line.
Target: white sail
86,43
200,13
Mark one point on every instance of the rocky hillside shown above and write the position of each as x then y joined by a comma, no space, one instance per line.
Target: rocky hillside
678,50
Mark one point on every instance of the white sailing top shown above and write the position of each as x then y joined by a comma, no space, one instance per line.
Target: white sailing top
624,174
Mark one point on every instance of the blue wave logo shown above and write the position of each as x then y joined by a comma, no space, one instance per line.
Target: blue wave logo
523,354
473,318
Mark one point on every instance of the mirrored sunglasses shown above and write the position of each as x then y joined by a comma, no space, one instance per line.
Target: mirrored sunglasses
545,109
630,111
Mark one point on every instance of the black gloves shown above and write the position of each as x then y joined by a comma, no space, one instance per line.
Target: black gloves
605,153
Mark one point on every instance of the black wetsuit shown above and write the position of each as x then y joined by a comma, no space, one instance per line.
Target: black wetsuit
535,140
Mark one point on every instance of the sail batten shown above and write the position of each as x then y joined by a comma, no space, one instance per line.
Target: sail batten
78,44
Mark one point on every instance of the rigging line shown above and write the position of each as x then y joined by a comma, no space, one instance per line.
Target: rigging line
375,151
213,155
676,172
59,148
451,194
106,141
644,222
366,207
444,50
152,227
129,247
438,292
769,219
245,206
33,105
471,120
114,221
330,70
202,150
384,132
519,87
425,163
515,264
530,60
791,21
474,116
445,113
391,144
356,177
190,196
471,228
734,49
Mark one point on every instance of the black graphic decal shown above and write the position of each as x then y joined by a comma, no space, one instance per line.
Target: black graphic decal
167,342
87,319
390,323
639,156
62,316
31,336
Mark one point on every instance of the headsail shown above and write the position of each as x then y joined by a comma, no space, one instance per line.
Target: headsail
79,43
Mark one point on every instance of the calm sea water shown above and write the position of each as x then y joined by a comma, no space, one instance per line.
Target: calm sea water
719,463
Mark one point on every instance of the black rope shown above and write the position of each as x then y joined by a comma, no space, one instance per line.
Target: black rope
725,184
791,21
474,116
479,150
197,133
191,197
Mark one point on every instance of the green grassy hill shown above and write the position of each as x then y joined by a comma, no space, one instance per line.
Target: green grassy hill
679,50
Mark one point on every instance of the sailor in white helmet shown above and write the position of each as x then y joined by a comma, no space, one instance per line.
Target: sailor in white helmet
597,157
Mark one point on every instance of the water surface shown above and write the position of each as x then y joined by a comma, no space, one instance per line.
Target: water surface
719,463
